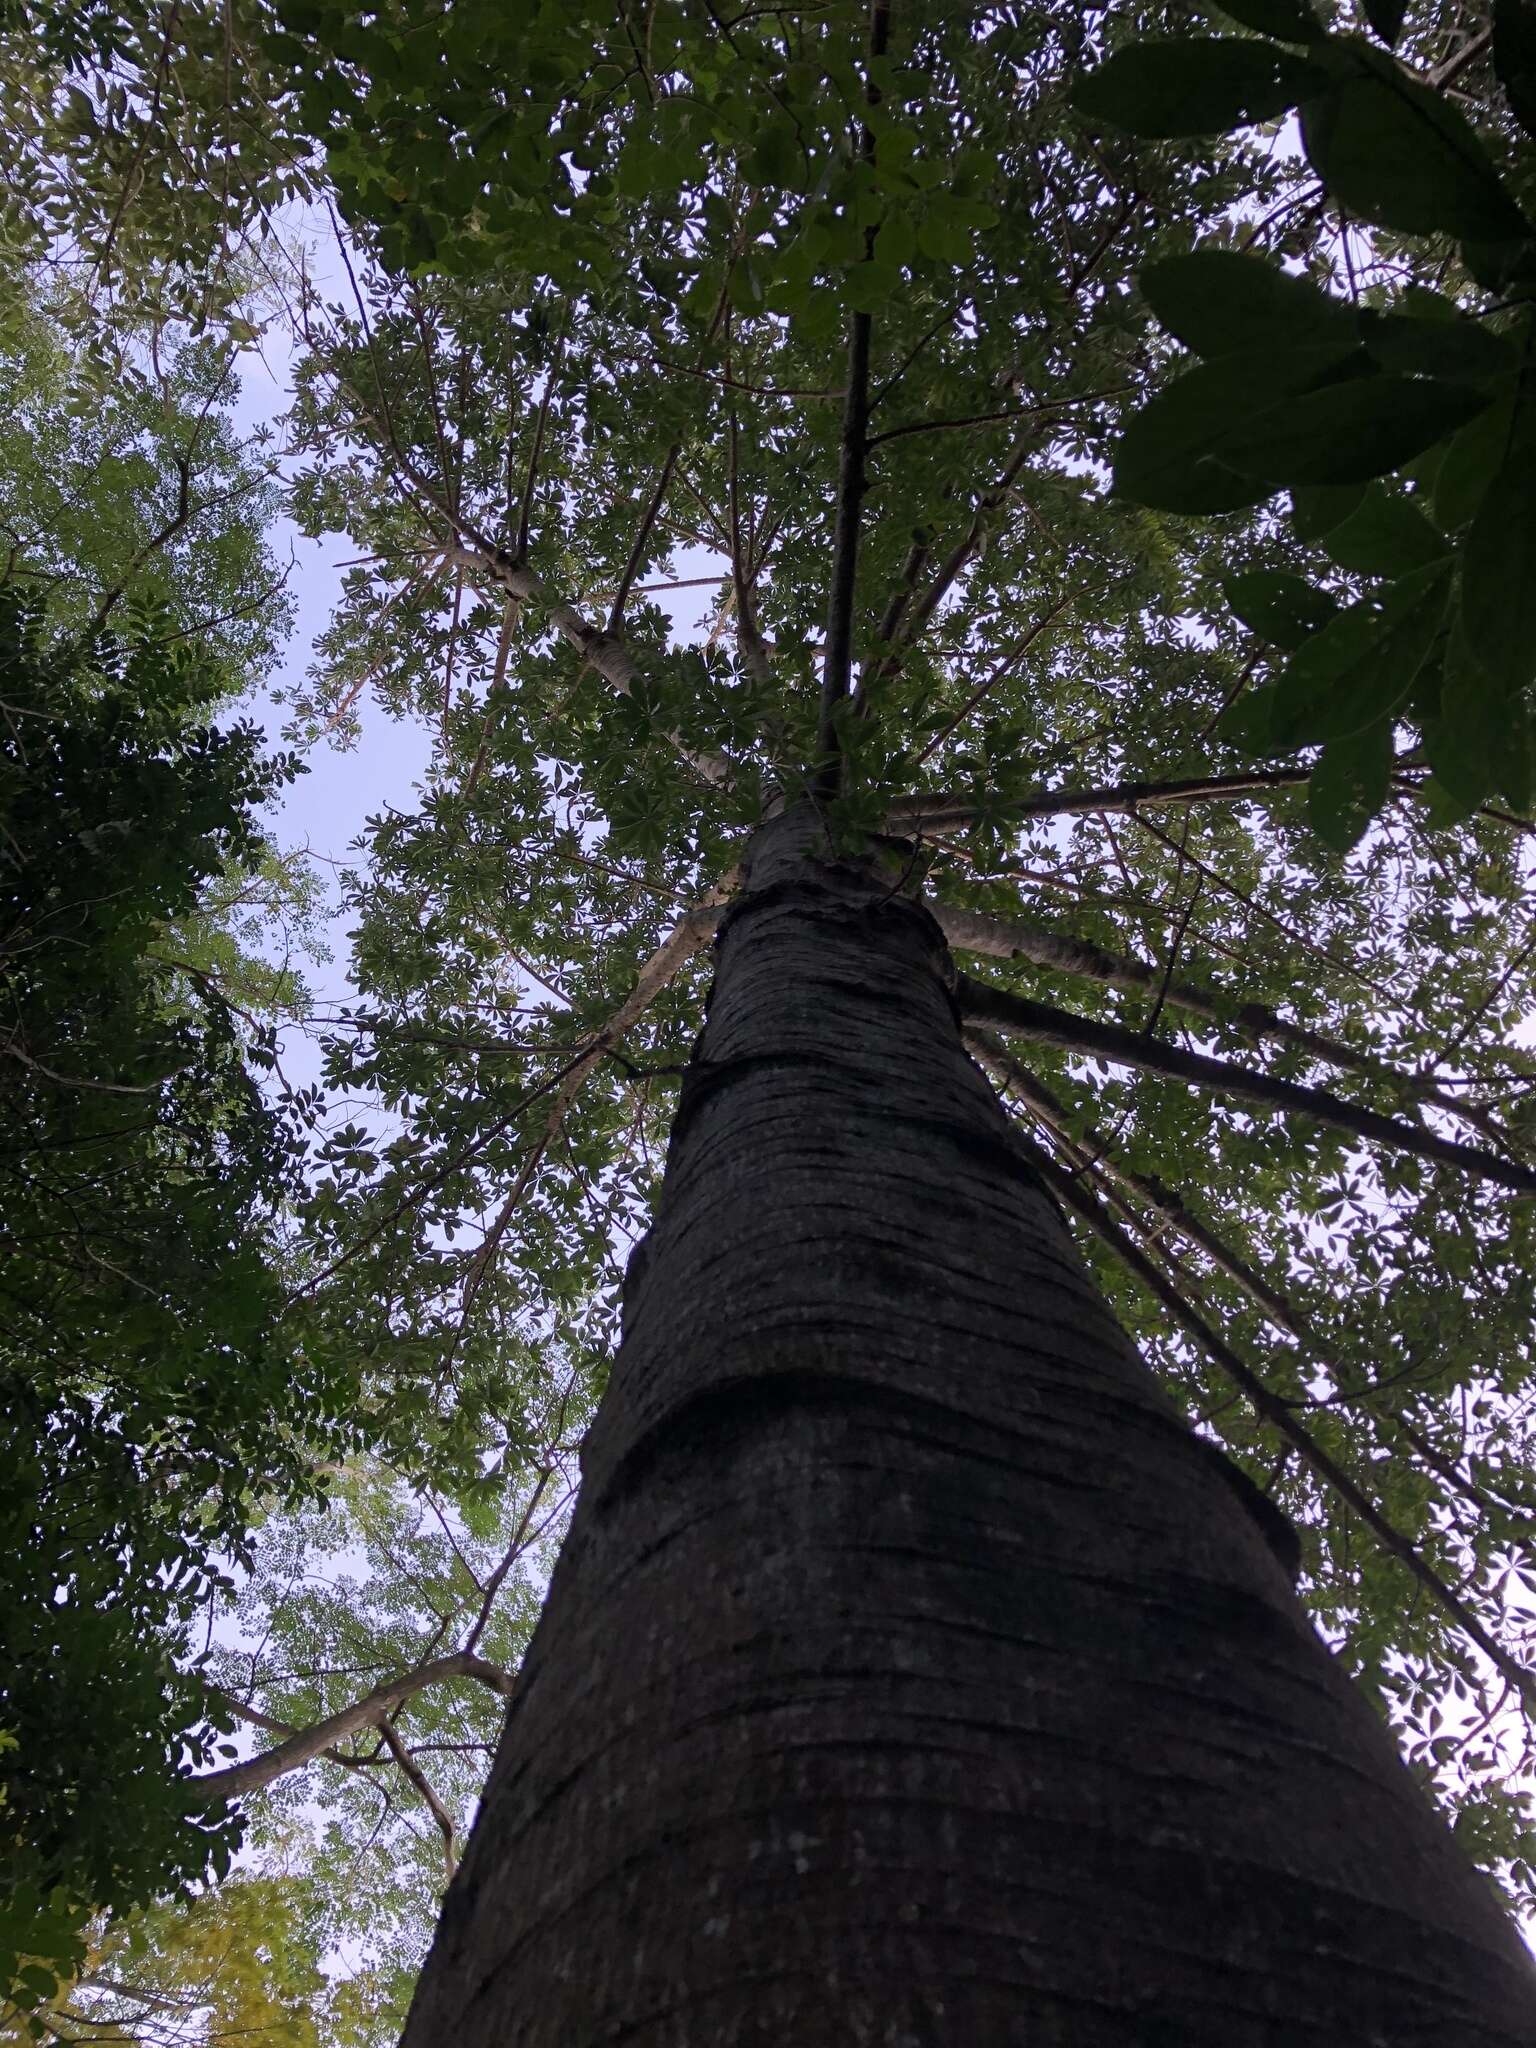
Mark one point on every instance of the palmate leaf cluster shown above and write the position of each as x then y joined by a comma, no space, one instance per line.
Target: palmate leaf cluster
1328,395
572,384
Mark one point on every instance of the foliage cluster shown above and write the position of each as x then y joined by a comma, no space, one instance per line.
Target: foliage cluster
146,1398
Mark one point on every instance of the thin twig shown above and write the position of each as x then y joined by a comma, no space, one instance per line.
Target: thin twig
1271,1409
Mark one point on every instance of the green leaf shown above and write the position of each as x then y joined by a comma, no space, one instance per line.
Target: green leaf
1473,459
1514,57
1362,665
1467,739
1282,609
1517,760
1248,722
1316,509
775,158
1349,785
1400,156
1498,578
869,286
1350,432
1290,20
1386,17
1386,535
1216,301
1507,269
1171,455
1435,346
941,239
1441,808
1195,85
746,286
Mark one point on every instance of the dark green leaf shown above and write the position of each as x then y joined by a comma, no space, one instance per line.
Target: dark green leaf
1216,301
869,286
1386,17
1472,460
1290,20
1362,665
1349,432
1437,347
1247,723
1441,808
1316,509
1517,761
1386,535
1195,85
1399,155
1507,268
1469,735
1498,578
1171,454
1514,57
1349,785
1282,609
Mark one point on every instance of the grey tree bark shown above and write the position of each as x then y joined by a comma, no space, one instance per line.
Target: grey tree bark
912,1675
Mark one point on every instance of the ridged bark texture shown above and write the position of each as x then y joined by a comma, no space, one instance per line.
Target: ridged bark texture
912,1675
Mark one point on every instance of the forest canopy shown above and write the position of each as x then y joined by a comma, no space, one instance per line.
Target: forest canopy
1086,453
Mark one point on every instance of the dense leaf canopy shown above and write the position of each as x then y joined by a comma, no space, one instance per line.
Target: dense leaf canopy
613,332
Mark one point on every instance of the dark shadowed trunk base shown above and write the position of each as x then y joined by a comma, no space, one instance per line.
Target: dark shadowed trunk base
912,1675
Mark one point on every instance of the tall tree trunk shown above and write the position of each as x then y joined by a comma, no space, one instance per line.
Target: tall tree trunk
912,1674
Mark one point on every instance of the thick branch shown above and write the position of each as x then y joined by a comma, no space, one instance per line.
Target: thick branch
852,482
1043,1022
940,812
950,812
418,1777
1015,939
240,1780
603,651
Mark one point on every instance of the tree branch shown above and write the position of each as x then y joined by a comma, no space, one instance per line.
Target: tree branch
925,813
525,511
955,562
693,930
240,1780
601,650
1271,1409
1092,1150
1014,939
648,520
996,674
420,1781
1043,1022
852,481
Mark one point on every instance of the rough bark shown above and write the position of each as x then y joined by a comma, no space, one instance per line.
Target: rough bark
912,1675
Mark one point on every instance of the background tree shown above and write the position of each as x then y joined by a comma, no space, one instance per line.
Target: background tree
144,1398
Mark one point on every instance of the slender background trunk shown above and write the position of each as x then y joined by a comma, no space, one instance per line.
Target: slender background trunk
912,1674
